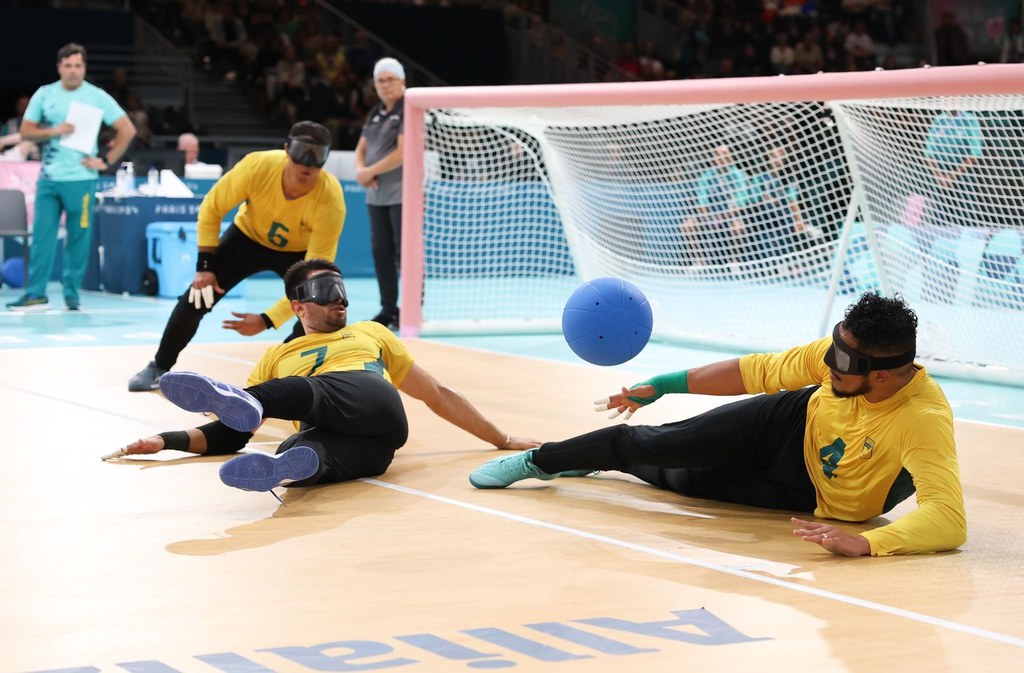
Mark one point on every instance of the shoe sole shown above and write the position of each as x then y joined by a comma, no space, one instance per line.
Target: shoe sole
259,472
195,392
34,308
485,485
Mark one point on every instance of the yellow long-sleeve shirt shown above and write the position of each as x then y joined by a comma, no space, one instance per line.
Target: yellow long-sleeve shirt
854,450
311,223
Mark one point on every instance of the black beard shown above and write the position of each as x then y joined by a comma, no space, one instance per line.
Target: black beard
864,389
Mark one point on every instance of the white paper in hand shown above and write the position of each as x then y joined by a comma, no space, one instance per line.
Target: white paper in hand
86,119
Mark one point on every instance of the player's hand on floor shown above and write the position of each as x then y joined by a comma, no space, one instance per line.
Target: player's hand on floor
247,324
831,538
139,446
519,444
627,401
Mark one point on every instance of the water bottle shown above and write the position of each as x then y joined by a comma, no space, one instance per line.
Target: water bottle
129,177
119,180
153,180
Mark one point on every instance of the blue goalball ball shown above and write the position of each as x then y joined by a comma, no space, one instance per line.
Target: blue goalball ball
14,271
607,321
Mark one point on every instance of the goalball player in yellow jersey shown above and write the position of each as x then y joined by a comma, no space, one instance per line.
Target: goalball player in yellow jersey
339,381
849,428
291,209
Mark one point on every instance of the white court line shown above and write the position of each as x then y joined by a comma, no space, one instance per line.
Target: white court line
744,574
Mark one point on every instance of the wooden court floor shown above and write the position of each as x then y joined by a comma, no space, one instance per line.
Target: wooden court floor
152,566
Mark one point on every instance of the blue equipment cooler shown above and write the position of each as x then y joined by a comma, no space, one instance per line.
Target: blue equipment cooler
171,249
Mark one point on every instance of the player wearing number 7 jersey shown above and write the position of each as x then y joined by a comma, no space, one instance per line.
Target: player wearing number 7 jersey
339,381
289,209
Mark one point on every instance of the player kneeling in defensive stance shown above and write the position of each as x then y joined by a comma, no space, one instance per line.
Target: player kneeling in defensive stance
850,428
339,381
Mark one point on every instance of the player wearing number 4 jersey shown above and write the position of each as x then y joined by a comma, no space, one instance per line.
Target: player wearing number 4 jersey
291,209
848,428
339,381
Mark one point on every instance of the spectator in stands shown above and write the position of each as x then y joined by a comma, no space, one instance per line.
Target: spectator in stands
359,55
715,233
690,44
651,65
379,170
226,33
189,144
835,46
807,55
1011,48
782,55
951,45
289,209
140,118
67,179
14,147
20,150
118,88
286,84
331,60
860,47
627,61
13,125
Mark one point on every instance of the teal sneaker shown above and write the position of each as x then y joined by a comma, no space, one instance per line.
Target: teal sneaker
72,302
235,408
29,303
502,472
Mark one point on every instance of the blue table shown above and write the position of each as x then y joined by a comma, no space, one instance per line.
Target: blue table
119,229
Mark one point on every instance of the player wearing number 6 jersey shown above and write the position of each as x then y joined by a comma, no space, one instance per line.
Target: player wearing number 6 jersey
289,209
339,381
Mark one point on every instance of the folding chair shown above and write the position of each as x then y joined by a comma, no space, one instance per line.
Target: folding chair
14,220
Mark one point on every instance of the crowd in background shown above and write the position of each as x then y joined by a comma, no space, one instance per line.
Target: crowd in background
293,66
282,55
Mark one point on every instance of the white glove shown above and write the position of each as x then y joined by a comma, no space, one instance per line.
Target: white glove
602,405
204,296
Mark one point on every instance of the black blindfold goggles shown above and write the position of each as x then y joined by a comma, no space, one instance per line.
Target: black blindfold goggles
846,360
324,289
308,154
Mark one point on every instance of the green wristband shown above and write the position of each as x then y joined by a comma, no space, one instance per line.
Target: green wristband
662,384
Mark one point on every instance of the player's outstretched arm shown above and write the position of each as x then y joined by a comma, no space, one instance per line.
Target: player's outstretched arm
452,406
719,378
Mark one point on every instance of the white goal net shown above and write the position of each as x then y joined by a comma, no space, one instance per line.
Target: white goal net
747,224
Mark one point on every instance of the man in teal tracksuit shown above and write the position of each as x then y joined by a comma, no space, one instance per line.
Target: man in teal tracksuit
67,179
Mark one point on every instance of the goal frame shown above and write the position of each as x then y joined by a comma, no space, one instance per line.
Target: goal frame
980,79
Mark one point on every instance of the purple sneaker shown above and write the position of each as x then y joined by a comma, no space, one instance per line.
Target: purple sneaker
234,407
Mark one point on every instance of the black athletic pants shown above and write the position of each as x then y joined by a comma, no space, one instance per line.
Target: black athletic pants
386,246
355,421
238,257
748,452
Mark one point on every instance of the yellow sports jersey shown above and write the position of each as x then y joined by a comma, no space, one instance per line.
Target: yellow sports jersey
854,450
360,346
311,223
